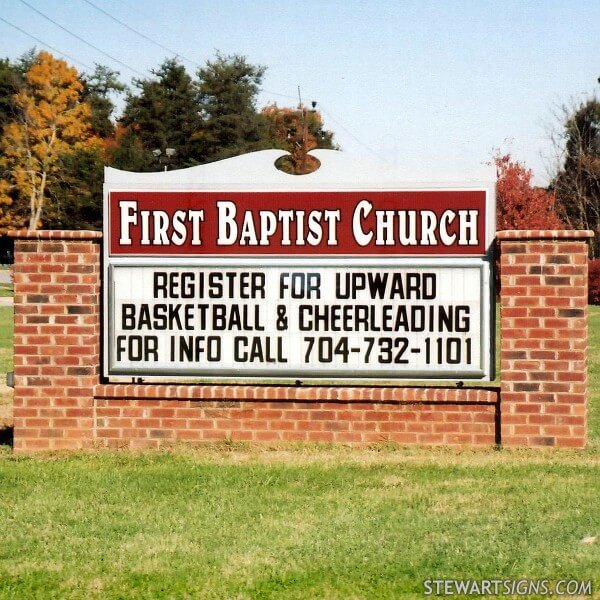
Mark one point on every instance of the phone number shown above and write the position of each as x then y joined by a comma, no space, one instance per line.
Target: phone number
388,350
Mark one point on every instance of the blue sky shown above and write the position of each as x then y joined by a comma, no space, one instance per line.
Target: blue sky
430,87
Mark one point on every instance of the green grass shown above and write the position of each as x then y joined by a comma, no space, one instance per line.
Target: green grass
6,290
594,373
6,364
235,523
6,339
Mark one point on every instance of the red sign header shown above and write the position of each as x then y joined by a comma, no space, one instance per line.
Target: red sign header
302,223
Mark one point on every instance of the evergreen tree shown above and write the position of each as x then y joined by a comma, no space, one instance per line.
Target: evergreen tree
231,124
165,114
129,152
97,89
77,195
11,80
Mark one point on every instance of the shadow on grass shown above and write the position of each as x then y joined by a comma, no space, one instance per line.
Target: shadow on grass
6,436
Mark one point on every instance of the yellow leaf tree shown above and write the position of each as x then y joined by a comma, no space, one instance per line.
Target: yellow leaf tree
52,122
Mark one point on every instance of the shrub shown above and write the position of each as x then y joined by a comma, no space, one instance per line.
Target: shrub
594,281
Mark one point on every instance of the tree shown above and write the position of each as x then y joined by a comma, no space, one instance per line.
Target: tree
577,182
51,123
520,205
298,131
97,89
11,80
127,151
76,197
231,125
212,118
165,114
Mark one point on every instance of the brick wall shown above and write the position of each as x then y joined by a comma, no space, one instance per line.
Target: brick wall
61,403
151,416
544,337
56,338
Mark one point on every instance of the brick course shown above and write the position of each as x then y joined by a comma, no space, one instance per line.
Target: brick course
61,403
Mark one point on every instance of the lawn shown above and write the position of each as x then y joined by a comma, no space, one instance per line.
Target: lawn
6,364
239,522
594,373
245,523
6,338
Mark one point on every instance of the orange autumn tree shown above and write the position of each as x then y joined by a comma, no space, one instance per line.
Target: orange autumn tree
52,123
297,130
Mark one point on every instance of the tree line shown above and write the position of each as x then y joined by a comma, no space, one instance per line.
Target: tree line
59,131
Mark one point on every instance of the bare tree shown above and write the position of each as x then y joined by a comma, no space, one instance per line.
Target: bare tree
576,182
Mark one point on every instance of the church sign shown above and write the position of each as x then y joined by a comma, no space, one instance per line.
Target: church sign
235,270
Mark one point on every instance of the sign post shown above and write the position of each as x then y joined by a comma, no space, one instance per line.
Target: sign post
236,270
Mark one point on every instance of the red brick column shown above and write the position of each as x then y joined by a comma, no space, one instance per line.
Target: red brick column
544,337
56,338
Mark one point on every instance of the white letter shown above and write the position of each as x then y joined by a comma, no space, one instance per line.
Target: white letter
196,217
285,217
179,228
299,228
361,211
145,214
407,227
428,225
385,227
315,231
268,225
468,222
446,220
332,217
128,210
248,232
161,226
227,224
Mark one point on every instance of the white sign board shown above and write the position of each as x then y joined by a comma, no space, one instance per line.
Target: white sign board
302,280
347,319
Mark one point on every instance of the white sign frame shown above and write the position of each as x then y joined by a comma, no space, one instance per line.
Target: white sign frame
255,173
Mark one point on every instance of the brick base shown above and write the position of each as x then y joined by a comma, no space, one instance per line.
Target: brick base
148,416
